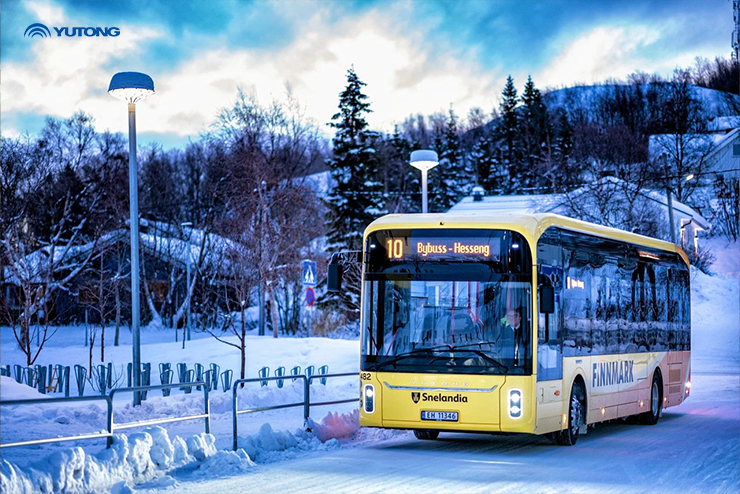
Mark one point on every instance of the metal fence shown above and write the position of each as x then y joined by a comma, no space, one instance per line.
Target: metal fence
206,415
110,426
108,434
306,403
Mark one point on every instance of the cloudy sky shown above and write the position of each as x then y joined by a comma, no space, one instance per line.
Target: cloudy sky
415,56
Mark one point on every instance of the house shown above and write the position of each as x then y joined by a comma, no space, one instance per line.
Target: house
718,151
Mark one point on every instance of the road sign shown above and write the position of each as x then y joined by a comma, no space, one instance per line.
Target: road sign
309,273
310,296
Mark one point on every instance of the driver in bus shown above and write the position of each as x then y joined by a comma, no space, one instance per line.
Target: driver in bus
510,332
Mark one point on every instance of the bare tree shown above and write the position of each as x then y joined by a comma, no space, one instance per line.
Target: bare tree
686,145
40,274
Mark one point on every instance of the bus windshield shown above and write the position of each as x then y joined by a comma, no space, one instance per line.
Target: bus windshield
470,314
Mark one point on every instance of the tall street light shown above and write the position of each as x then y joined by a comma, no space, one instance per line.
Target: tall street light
133,87
672,228
187,224
424,160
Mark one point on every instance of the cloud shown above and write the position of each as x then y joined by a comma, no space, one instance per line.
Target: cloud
403,76
600,53
617,51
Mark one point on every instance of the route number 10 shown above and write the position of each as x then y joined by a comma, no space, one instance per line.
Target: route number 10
395,248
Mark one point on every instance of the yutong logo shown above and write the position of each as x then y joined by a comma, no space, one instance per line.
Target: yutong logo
458,398
38,29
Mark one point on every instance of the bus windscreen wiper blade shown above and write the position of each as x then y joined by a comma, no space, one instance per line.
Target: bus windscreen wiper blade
482,355
414,353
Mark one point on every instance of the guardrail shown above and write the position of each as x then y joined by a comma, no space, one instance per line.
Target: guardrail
206,415
306,403
111,427
109,434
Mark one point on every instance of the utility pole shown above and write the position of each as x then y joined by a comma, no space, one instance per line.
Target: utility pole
670,199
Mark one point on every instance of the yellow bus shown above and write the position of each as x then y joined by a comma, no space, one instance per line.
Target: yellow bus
535,323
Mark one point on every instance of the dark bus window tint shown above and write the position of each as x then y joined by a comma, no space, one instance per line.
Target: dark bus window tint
638,337
600,304
665,338
577,305
627,307
612,307
672,300
655,341
686,309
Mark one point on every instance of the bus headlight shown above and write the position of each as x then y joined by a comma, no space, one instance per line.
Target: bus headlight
515,403
369,394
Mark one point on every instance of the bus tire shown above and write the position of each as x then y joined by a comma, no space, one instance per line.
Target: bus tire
652,416
426,434
576,416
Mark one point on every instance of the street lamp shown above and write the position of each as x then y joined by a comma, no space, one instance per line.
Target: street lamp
672,228
132,87
424,160
187,224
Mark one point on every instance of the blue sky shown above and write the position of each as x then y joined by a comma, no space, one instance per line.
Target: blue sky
416,56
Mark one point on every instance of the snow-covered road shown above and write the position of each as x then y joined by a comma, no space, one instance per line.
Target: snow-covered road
694,448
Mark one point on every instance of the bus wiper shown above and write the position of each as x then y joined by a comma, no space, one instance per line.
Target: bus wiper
482,355
412,353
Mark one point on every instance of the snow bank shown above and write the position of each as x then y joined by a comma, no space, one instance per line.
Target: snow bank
715,305
12,390
151,457
132,459
269,445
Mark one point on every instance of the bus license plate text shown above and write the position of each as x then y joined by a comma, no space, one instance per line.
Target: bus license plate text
439,416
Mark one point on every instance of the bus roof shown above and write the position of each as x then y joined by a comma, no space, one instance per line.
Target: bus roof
532,225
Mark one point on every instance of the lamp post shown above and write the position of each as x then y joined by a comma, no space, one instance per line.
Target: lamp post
187,224
424,160
670,199
132,87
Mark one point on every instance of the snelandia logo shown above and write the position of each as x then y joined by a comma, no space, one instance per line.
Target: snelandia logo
37,29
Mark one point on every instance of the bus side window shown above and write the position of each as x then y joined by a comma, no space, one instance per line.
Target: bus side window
549,331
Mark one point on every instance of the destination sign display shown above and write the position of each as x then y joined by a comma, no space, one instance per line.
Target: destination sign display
438,248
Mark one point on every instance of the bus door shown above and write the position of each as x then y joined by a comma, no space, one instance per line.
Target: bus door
549,339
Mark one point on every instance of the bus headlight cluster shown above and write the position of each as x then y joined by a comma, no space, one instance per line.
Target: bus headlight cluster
369,401
515,403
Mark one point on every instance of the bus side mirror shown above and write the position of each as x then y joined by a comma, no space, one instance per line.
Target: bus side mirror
334,278
547,299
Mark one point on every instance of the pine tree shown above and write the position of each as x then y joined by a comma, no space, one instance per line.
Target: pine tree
483,162
564,173
356,199
508,132
451,175
535,136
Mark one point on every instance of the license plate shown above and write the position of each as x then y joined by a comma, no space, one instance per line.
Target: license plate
439,416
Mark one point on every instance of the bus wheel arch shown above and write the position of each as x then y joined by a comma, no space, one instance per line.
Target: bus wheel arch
577,410
652,416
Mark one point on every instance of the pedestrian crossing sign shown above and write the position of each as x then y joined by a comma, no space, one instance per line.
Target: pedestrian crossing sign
309,273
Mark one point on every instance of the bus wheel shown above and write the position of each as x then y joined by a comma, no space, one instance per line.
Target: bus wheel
425,434
652,416
576,417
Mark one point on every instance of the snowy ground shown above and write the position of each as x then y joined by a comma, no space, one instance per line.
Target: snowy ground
695,447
